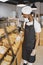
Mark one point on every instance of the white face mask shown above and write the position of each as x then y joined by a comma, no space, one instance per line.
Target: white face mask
26,19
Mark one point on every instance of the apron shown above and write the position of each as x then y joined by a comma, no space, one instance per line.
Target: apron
29,43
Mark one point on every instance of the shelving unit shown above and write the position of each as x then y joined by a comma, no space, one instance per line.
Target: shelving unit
10,42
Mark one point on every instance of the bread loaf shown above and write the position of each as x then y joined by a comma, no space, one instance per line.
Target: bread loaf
12,38
3,49
5,63
2,32
10,28
5,42
8,58
10,52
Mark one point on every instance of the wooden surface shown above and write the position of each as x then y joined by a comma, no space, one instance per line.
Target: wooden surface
41,37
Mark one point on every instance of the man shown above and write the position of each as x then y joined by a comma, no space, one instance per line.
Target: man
31,36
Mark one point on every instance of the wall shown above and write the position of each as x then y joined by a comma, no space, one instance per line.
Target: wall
38,11
18,10
6,9
38,7
41,8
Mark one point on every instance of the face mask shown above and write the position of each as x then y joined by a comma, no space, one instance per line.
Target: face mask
26,20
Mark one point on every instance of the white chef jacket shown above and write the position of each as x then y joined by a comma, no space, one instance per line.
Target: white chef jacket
37,25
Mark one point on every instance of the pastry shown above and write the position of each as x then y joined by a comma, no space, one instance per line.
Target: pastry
10,52
2,32
8,58
10,28
3,49
5,42
12,38
5,63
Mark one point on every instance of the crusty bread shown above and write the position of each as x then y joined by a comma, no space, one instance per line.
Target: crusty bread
5,42
5,63
3,49
10,28
12,38
2,32
10,52
8,58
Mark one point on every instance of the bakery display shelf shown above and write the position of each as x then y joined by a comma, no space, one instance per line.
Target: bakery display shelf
2,32
13,56
9,41
2,37
12,60
13,31
4,54
8,54
11,28
9,45
7,58
16,50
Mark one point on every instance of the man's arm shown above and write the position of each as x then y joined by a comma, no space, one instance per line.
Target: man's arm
37,39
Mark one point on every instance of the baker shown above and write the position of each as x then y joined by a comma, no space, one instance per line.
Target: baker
32,31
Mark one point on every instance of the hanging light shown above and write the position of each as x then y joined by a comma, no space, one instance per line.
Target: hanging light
21,4
34,7
3,0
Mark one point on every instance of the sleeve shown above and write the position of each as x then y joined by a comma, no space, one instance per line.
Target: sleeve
37,27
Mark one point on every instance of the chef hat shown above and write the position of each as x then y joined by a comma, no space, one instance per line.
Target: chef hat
26,10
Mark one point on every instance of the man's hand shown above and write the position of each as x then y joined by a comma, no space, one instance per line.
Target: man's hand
33,52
